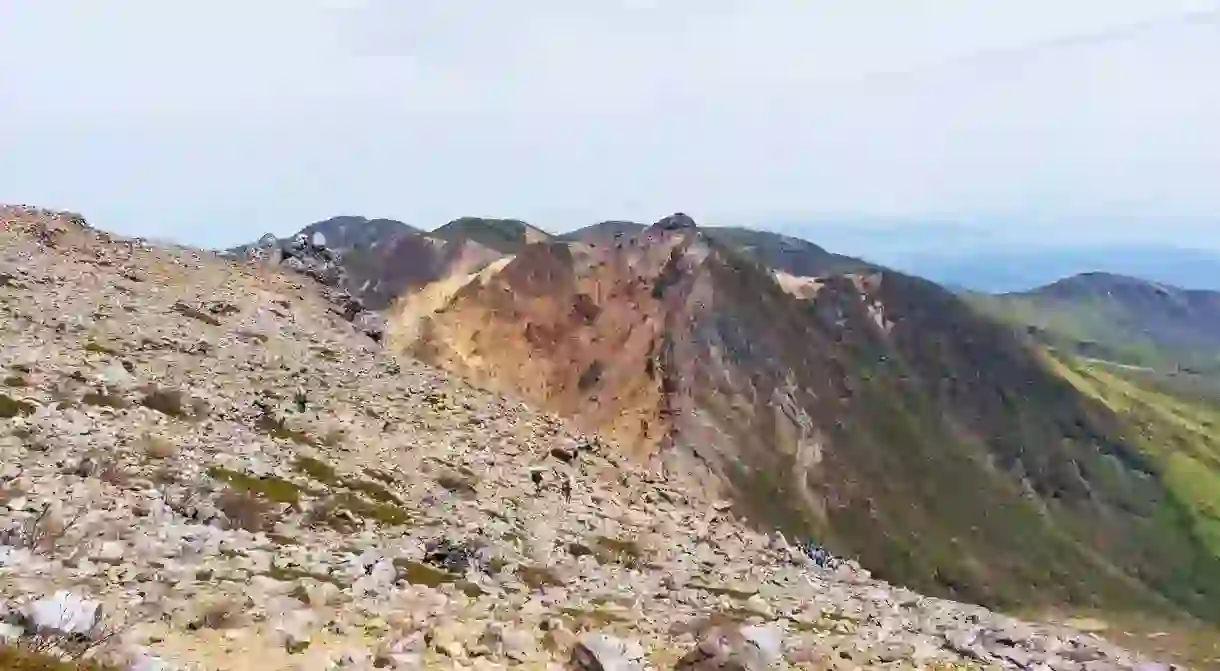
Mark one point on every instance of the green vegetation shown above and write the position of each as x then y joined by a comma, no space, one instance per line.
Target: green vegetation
372,490
98,348
318,470
791,255
12,407
419,573
1179,436
15,381
1120,319
292,574
385,477
18,658
194,313
269,487
382,513
538,577
623,551
507,236
172,402
460,483
104,399
276,428
952,456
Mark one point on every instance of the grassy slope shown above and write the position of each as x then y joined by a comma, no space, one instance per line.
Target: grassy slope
1103,326
957,460
1182,436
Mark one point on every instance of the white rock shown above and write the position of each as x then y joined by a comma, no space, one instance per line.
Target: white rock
601,652
769,639
64,613
110,551
10,632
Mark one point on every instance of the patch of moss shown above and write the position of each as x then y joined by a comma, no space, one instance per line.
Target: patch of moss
318,470
104,399
579,550
458,483
98,348
382,513
15,381
722,591
269,487
290,574
165,401
372,490
538,577
18,658
282,539
617,550
276,428
188,311
419,573
11,407
591,619
383,476
327,353
333,437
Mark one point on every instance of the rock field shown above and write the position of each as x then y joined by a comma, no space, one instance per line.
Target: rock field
204,466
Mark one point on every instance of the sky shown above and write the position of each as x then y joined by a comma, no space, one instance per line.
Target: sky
211,123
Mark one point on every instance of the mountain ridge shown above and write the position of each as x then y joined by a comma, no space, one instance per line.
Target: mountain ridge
1126,319
696,357
260,485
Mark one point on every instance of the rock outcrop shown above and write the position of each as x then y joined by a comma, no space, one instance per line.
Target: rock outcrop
309,255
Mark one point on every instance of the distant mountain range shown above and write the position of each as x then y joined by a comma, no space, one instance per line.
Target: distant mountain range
1000,270
1168,332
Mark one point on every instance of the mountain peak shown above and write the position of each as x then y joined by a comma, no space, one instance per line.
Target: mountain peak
677,221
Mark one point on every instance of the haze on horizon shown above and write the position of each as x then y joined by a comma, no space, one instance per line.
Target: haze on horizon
212,123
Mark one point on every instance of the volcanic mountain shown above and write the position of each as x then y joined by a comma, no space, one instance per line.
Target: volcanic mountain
871,410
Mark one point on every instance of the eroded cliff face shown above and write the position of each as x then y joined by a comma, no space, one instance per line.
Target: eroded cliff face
872,410
580,329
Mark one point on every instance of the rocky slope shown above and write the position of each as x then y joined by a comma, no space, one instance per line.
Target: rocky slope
381,259
871,410
241,479
785,253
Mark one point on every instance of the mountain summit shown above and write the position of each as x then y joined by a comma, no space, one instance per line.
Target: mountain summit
871,410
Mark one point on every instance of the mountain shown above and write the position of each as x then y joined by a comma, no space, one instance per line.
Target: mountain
603,232
872,410
506,236
384,258
781,252
195,454
786,253
1012,268
350,232
1123,319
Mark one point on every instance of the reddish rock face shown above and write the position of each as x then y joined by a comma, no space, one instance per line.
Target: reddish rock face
869,409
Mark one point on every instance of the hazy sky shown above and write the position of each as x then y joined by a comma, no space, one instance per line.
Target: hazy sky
210,122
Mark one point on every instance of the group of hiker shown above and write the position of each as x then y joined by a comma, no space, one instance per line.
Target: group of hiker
821,556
